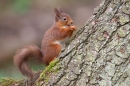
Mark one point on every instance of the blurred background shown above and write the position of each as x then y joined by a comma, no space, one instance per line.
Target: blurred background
24,22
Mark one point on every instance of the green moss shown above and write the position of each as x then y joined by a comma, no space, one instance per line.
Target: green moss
48,70
7,82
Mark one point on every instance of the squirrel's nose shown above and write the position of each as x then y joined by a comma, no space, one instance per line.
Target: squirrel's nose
71,22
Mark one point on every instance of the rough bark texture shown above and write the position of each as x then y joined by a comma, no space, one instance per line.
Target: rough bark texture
99,55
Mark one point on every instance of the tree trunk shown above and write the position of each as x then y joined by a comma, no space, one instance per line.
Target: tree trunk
99,55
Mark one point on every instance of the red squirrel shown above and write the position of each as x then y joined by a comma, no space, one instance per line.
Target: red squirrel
51,44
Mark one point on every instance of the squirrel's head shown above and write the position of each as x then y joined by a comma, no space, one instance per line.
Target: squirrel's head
62,18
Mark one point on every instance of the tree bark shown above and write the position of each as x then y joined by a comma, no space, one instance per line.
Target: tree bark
99,55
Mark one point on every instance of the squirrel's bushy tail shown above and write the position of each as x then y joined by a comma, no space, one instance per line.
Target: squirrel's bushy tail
21,57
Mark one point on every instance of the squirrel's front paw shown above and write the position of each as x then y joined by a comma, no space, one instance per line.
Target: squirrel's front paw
73,27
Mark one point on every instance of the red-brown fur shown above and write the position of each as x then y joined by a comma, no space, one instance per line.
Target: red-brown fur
50,48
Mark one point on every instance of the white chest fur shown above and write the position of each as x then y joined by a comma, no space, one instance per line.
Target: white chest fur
62,42
65,27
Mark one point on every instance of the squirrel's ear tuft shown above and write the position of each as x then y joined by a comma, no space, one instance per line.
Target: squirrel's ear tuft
56,11
61,10
58,14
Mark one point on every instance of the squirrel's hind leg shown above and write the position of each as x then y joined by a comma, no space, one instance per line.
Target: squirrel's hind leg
51,53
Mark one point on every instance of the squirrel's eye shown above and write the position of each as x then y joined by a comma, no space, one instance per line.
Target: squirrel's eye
64,18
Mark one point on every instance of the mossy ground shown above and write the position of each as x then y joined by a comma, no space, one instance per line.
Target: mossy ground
7,82
47,71
44,76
